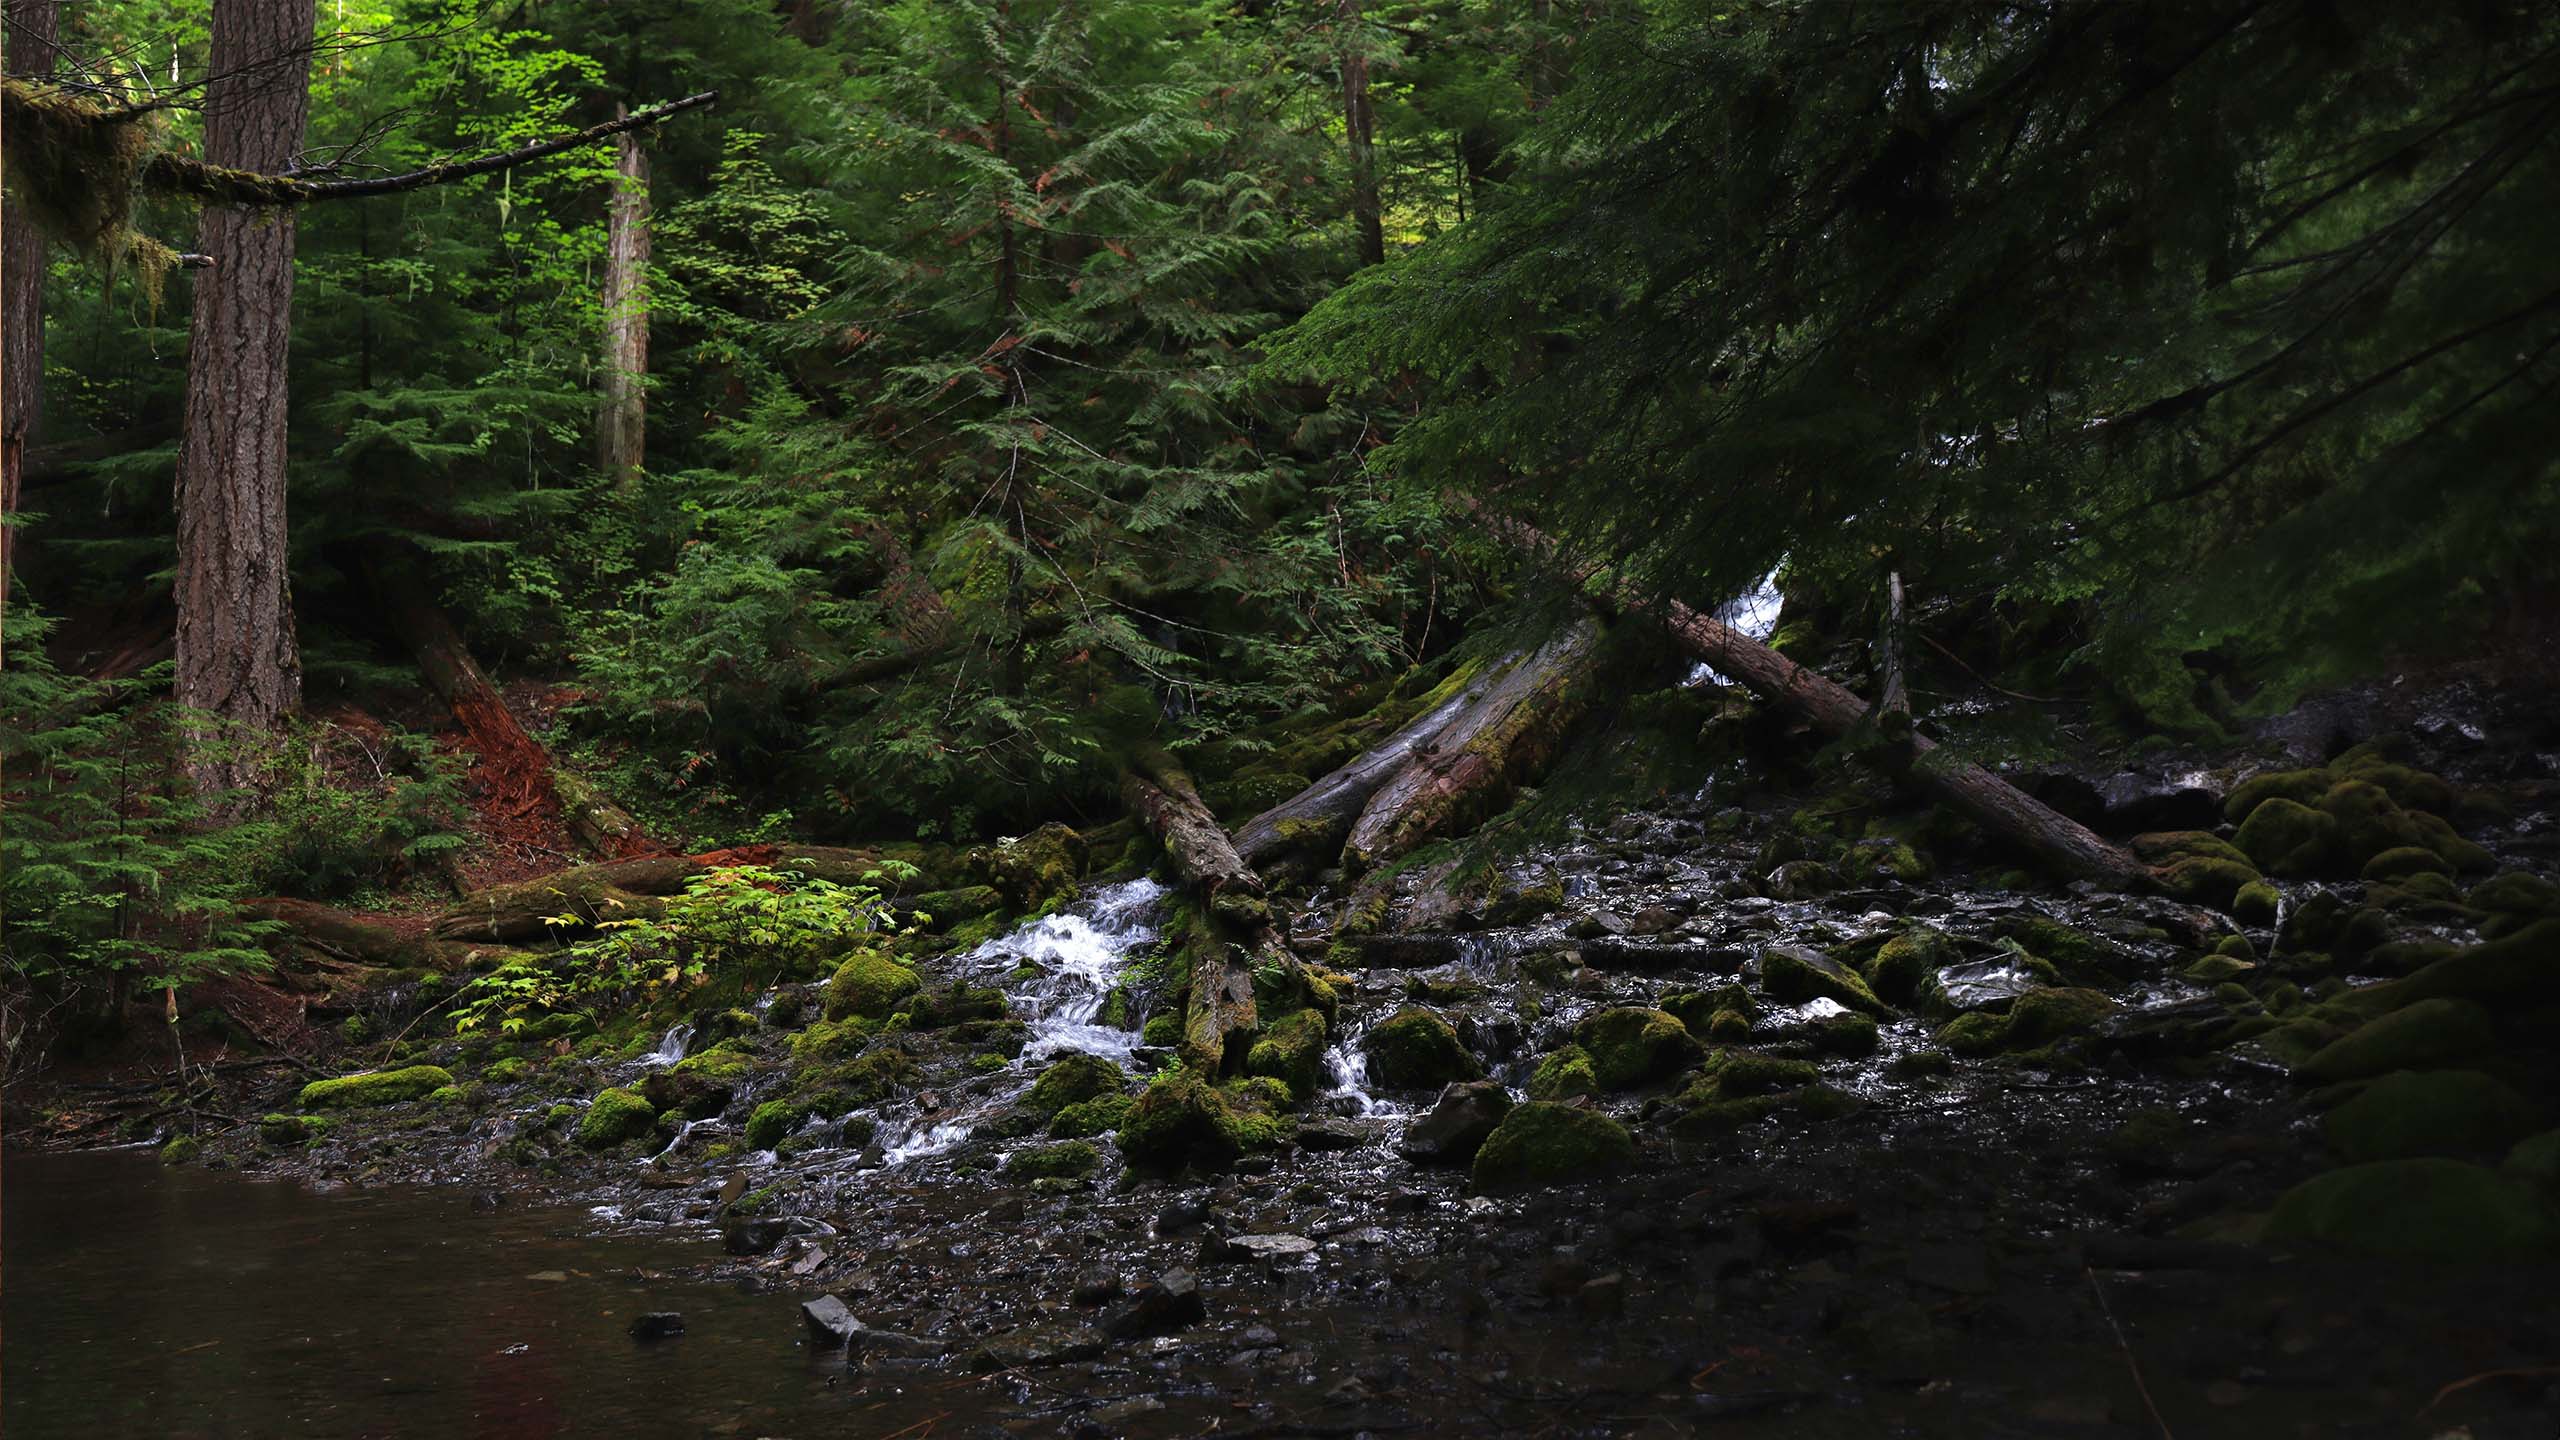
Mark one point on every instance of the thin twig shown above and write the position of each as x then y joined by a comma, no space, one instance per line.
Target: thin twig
2129,1362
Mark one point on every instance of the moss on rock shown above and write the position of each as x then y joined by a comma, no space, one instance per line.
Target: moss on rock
869,985
1564,1074
1052,1162
2411,1113
2425,1034
1543,1143
2159,847
1071,1078
2427,1209
2257,903
1792,975
381,1087
2205,880
1904,970
2404,861
1183,1120
2039,1018
1291,1050
1039,867
617,1115
1098,1116
2289,838
1415,1049
772,1123
1630,1046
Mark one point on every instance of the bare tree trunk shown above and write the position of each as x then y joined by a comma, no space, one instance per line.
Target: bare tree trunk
621,428
1359,123
238,657
33,26
1893,696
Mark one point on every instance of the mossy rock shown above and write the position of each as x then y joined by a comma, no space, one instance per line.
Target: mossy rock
2302,787
2037,1019
1282,989
2205,880
2410,1113
2288,838
2536,1161
2517,968
288,1131
1291,1050
2405,861
382,1087
1629,1046
2439,1210
1792,975
2409,787
1183,1120
772,1123
2424,1034
869,985
1163,1030
1729,1027
1697,1008
2515,893
1052,1162
1904,970
1732,1073
1543,1143
1071,1078
1098,1116
1564,1074
1850,1034
955,1005
2257,903
1417,1050
2216,968
616,1116
2159,847
950,908
1039,867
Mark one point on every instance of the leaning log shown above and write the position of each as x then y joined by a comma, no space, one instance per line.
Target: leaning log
516,769
1504,735
1237,932
1989,801
1320,816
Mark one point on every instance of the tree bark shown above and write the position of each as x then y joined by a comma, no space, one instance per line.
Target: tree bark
1359,123
1893,696
1991,802
621,427
33,26
239,662
515,768
1320,816
1506,734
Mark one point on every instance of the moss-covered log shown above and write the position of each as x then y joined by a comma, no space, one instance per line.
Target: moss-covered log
1505,732
352,938
1235,933
1316,819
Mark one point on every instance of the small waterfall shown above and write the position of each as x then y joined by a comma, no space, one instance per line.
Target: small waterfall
684,1130
671,1047
1346,1079
1754,613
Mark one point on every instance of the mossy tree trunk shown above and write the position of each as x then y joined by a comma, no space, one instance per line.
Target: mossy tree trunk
1237,932
621,425
32,28
239,661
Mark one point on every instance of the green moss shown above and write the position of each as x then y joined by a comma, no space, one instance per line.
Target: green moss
1543,1143
1792,976
2216,968
870,985
1038,868
507,1071
1920,1064
1163,1030
2204,880
2516,893
383,1087
2039,1018
446,1095
954,1005
1905,968
2536,1161
1415,1049
1629,1047
1734,1073
1564,1074
1291,1050
1070,1078
286,1131
772,1123
617,1115
2159,847
1052,1162
2302,787
1183,1120
2405,861
1850,1034
832,1041
2427,1033
2411,1113
1728,1027
2257,903
2427,1209
1098,1116
181,1150
2288,838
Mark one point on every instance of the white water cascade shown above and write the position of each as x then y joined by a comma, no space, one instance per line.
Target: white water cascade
671,1047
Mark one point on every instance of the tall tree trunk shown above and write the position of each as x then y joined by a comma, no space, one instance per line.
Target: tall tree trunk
621,429
1359,124
238,658
33,26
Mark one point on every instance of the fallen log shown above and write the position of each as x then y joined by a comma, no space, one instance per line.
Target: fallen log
1237,932
1989,801
626,889
518,771
351,938
1505,734
1319,817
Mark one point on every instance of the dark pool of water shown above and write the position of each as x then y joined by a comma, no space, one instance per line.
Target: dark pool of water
180,1302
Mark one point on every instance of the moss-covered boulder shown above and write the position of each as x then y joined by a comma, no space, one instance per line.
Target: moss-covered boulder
956,1005
1098,1116
1792,974
1291,1051
1563,1074
2257,903
2206,880
2536,1161
285,1132
2428,1034
2515,893
2037,1019
1052,1162
2405,861
772,1123
1039,867
2160,847
1543,1143
1747,1072
1071,1078
1630,1046
617,1115
1163,1029
2302,787
381,1087
869,985
1904,970
1417,1050
2411,1113
2429,1209
2288,838
1184,1120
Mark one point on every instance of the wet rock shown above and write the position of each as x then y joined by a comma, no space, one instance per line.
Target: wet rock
1096,1285
1187,1213
1597,925
1629,1046
657,1325
1318,1136
1268,1247
1802,880
2440,1112
754,1236
1793,974
1657,957
1603,1297
2427,1033
616,1116
1164,1305
1457,1124
869,985
1070,1079
830,1321
1415,1049
385,1087
1542,1143
1034,1346
1183,1120
1291,1050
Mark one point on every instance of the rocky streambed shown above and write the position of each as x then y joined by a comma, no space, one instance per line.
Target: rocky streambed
1798,1117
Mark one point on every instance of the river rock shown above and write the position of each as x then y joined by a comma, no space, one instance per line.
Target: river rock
1330,1134
1457,1124
1033,1346
753,1237
1166,1304
1096,1284
1269,1247
829,1321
